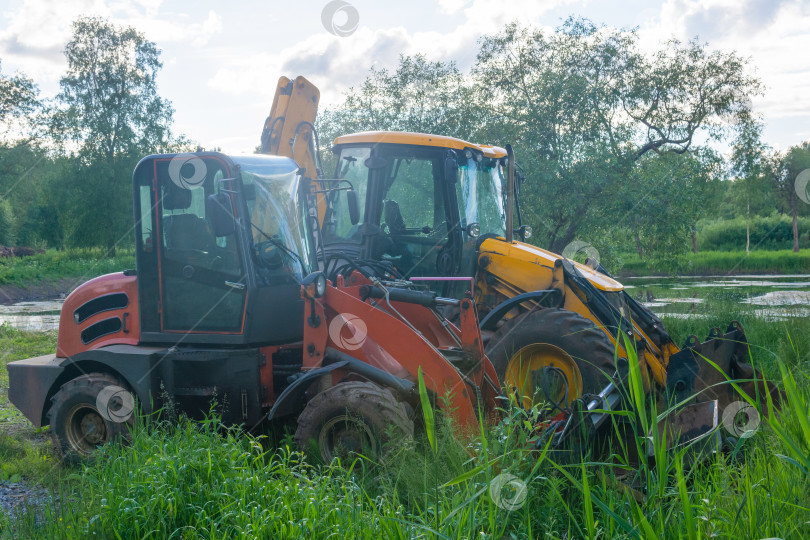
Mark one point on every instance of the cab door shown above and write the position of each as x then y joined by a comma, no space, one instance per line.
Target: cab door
419,216
202,277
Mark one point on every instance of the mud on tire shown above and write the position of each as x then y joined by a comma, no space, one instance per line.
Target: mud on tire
78,426
588,345
352,418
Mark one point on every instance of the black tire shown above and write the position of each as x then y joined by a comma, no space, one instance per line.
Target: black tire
589,346
79,426
352,418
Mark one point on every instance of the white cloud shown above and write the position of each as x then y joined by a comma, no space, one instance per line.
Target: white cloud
336,63
452,6
773,34
38,30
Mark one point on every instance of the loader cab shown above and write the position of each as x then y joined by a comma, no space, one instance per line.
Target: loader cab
427,201
221,249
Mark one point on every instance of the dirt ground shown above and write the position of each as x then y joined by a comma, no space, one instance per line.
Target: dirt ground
11,294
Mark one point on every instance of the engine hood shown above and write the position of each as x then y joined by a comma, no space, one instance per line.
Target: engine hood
522,253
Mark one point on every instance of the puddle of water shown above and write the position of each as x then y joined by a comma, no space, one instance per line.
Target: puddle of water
44,306
771,297
32,316
781,298
31,323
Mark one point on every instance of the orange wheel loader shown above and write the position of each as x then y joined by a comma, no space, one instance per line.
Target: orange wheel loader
225,304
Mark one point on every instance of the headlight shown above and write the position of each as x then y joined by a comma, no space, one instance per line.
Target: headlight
315,285
320,285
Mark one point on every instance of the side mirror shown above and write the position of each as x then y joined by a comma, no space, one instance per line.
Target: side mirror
218,214
354,206
450,170
519,179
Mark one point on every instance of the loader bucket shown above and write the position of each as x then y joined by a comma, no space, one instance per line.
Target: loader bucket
695,427
704,370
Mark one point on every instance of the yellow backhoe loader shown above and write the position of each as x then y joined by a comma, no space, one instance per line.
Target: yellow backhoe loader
445,211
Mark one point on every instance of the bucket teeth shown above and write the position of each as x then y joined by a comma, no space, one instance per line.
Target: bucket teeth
702,371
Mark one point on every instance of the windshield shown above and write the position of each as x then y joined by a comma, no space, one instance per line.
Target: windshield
277,220
480,192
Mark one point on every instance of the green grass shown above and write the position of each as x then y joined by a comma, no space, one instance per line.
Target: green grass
199,480
722,263
53,265
19,456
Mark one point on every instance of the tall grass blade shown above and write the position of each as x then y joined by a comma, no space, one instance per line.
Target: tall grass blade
686,503
427,413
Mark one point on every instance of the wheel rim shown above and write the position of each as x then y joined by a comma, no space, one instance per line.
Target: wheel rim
525,372
86,429
343,436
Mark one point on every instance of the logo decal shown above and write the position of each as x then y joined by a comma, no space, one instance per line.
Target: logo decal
348,331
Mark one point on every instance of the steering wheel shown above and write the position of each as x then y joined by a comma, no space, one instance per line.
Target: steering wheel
269,255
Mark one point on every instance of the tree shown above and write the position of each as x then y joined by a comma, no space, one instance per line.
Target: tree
19,108
18,100
674,188
419,96
584,104
749,165
785,170
591,117
110,114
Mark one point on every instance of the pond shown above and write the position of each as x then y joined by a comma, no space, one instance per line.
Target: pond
773,297
32,316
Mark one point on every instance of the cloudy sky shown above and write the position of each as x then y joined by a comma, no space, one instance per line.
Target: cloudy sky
221,59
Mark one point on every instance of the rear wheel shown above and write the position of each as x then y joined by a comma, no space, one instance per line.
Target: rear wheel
551,355
87,412
352,418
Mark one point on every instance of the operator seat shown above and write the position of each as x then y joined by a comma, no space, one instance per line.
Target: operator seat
393,217
187,231
392,246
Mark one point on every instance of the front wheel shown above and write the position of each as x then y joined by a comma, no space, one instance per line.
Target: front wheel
352,418
88,412
551,355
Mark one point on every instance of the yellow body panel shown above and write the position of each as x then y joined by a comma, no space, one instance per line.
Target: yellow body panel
418,139
292,114
520,262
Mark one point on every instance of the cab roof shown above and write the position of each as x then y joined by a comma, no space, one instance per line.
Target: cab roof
417,139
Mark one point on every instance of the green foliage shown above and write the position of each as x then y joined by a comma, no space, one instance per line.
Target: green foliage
7,225
427,412
110,109
604,131
18,101
200,480
81,264
767,233
419,96
708,263
18,456
663,199
26,174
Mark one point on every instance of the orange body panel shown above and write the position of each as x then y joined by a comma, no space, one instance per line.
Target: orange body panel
381,339
70,340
